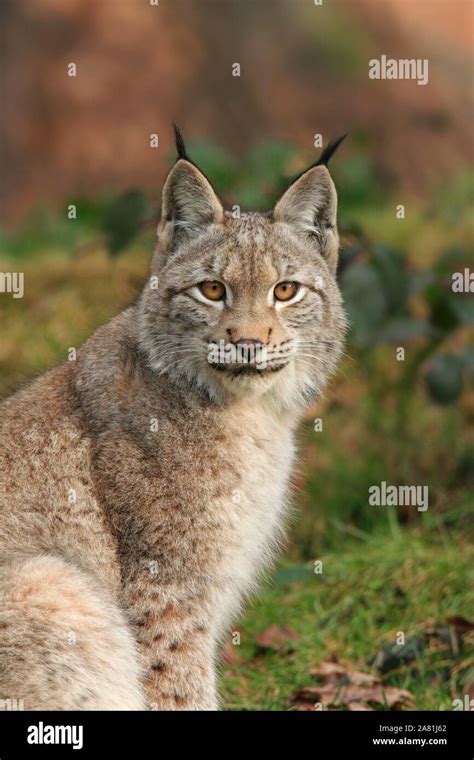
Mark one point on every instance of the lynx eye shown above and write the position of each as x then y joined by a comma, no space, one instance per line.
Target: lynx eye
213,290
285,291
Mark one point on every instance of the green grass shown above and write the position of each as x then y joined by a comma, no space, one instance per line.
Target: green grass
66,298
368,592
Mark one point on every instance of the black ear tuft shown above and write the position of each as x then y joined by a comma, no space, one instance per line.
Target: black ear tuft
180,147
329,150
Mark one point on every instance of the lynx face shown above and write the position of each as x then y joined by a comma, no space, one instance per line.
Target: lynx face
245,306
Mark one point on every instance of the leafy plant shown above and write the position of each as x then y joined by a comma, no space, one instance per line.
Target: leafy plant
388,303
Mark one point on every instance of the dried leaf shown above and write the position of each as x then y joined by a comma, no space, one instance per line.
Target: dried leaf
337,695
461,623
304,706
277,638
330,670
363,679
230,654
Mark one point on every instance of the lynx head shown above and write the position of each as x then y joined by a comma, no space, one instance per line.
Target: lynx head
245,306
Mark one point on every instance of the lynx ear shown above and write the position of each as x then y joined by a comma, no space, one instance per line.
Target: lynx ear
310,207
189,204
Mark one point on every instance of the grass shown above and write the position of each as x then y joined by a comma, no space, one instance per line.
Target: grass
368,592
66,298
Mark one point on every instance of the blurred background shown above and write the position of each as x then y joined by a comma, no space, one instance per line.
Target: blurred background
378,599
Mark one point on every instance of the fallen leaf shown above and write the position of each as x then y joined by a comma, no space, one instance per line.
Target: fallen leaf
336,695
329,670
461,624
363,679
230,654
277,639
304,706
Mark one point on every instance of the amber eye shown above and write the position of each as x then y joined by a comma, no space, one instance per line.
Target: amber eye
213,290
285,291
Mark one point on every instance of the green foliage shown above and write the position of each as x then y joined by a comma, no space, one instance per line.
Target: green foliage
255,181
445,378
360,186
219,166
124,218
379,293
365,302
46,230
454,200
264,175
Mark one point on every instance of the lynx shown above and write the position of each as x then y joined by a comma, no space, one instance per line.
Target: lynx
144,486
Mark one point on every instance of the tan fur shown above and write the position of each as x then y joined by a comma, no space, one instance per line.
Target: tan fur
142,490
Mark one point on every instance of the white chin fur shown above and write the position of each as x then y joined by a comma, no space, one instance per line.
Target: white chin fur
280,391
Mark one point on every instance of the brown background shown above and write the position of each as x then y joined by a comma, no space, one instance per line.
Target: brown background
304,71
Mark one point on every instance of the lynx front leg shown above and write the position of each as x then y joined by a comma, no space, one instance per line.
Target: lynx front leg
181,674
178,650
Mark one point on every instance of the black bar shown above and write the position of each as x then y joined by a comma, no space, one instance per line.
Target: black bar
128,734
